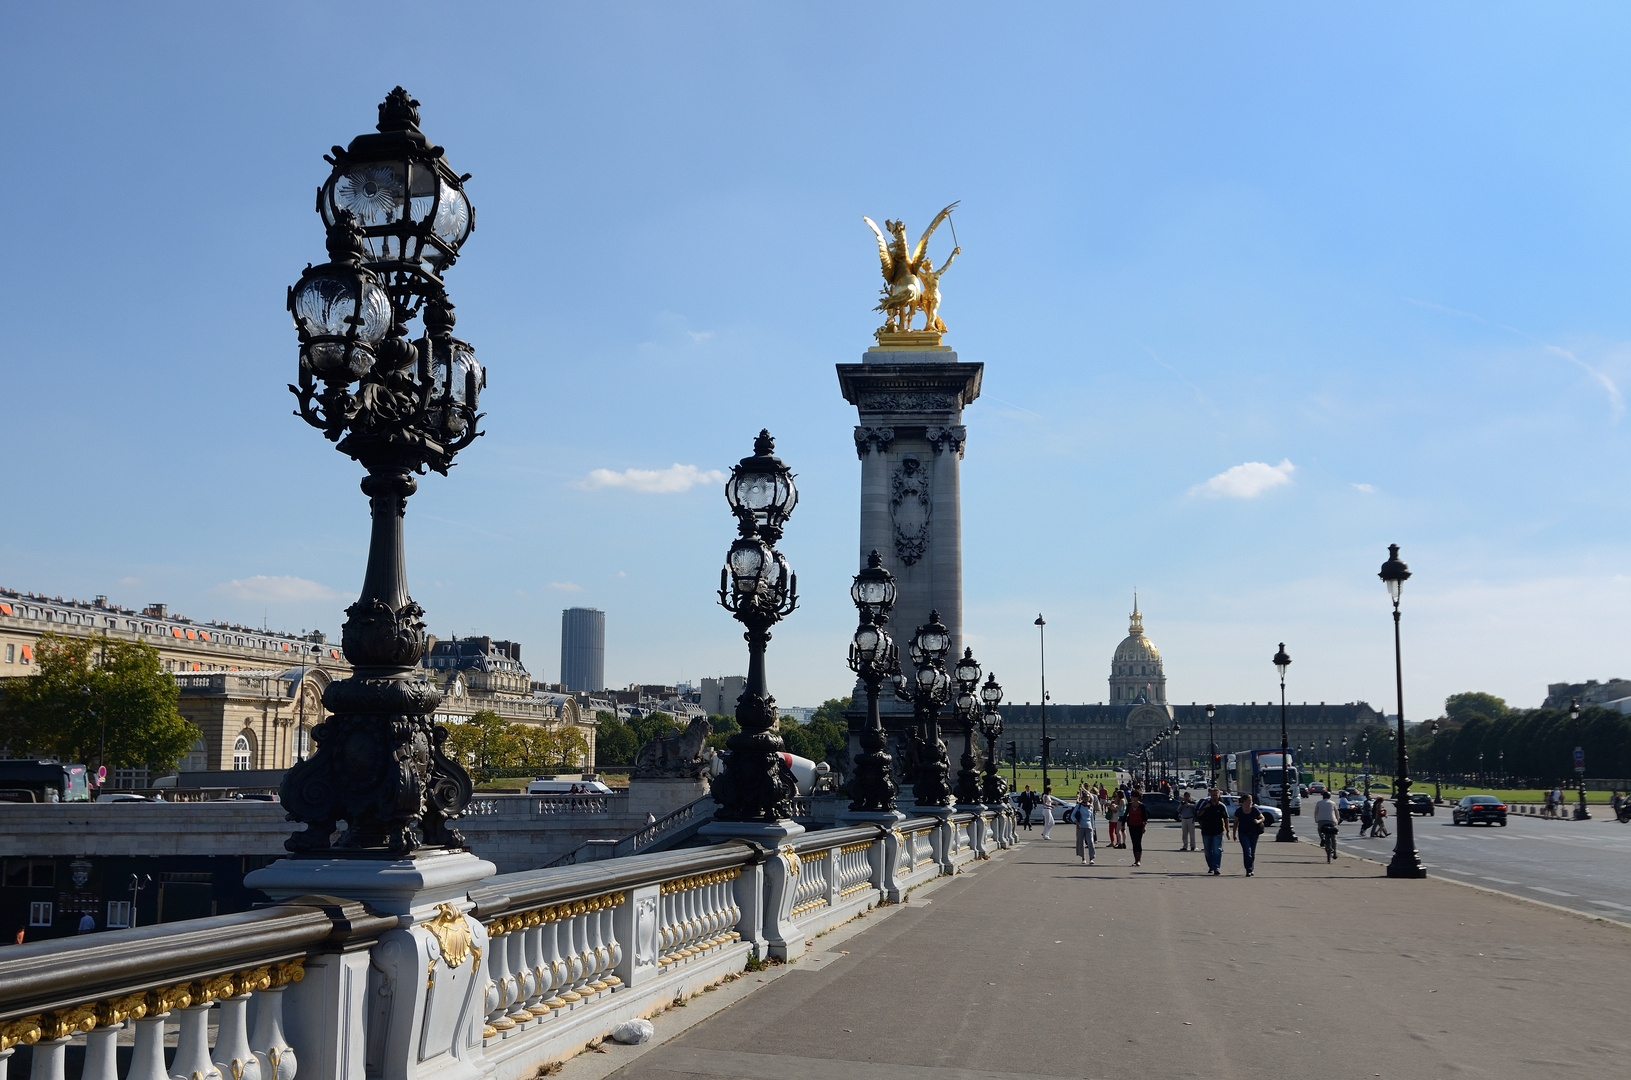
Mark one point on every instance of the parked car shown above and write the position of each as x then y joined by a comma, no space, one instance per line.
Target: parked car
1158,806
1475,808
1271,813
121,796
1422,803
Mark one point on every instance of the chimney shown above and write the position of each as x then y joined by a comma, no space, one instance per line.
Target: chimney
101,601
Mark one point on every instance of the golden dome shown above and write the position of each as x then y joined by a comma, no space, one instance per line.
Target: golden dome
1135,646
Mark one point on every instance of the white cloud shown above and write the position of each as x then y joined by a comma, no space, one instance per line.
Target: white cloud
1246,481
130,581
565,586
1368,489
275,590
670,481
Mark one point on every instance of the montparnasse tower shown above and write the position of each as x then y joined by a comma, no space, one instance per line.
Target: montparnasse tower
1135,671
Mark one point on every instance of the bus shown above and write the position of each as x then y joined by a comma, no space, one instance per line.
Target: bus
43,780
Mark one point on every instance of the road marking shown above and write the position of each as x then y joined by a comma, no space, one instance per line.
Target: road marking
1453,870
1498,881
1609,904
1544,889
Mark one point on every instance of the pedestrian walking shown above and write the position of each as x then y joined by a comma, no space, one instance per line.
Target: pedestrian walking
1113,816
1248,827
1136,820
1367,818
1379,815
1027,803
1186,819
87,923
1048,803
1085,818
1212,818
1549,809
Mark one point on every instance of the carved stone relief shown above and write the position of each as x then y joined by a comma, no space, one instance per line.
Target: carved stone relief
947,438
907,402
910,507
645,932
872,438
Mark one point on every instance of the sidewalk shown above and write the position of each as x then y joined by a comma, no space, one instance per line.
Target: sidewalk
1033,966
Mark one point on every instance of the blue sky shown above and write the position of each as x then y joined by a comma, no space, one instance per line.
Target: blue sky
1259,290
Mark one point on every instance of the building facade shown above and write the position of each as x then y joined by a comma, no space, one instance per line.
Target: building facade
1138,711
583,649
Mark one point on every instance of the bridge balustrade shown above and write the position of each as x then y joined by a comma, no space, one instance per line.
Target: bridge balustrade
558,956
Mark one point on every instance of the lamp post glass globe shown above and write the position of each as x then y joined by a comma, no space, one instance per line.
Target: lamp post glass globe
761,491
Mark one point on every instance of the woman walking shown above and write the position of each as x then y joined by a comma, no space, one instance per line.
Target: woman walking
1048,803
1379,815
1113,816
1248,827
1135,826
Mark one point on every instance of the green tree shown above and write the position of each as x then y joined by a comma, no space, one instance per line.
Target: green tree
723,728
90,693
1462,707
615,742
485,743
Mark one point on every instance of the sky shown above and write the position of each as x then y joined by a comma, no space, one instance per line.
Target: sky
1258,290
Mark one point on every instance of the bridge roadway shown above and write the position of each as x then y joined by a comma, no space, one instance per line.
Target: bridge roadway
1032,966
1583,865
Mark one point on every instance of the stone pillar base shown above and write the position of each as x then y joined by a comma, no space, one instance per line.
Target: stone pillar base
763,832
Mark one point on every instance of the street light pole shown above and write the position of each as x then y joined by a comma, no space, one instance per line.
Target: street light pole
1212,743
967,673
1406,862
874,657
1042,653
1285,833
1580,812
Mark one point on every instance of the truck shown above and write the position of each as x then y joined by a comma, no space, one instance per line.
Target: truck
1268,771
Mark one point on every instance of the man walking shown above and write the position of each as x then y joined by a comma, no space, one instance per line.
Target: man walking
1186,818
1027,803
1248,827
1084,818
1212,817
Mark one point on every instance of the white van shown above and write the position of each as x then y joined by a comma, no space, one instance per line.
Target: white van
567,787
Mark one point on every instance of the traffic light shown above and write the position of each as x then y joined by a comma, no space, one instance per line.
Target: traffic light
1013,751
1047,741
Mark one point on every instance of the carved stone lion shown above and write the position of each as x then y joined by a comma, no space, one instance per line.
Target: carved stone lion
676,755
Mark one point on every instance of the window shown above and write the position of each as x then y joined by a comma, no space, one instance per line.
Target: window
11,654
118,913
240,754
39,913
197,759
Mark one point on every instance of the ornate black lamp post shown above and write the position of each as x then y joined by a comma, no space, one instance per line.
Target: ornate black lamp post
396,216
967,673
757,587
991,727
1438,767
1406,862
931,689
1285,834
1580,811
873,657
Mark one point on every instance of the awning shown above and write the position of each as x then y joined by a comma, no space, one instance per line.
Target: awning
5,609
176,630
28,653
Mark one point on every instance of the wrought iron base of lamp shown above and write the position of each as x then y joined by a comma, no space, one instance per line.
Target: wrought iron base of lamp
930,790
757,785
873,788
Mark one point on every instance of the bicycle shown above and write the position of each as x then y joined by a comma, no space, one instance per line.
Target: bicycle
1328,841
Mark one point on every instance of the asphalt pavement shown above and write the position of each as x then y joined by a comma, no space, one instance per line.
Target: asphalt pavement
1581,865
1031,965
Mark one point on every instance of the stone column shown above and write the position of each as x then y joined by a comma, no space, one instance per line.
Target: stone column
910,439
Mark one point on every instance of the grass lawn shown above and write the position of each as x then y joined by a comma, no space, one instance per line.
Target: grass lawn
1064,780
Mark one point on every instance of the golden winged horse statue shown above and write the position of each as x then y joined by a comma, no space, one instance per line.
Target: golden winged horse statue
906,291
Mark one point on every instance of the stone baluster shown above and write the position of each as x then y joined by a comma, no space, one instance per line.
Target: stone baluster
232,1057
597,946
538,971
147,1058
498,1000
669,925
608,935
523,983
192,1059
559,970
102,1042
56,1031
5,1061
267,1040
580,946
571,954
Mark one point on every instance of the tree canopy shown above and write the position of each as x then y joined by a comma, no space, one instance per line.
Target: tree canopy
1535,744
86,691
824,738
490,745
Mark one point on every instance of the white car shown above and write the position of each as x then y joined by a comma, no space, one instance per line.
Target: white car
1271,813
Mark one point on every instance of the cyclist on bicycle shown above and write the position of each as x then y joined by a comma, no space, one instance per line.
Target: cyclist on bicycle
1325,817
